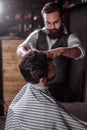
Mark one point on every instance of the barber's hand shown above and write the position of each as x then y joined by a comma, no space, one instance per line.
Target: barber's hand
55,52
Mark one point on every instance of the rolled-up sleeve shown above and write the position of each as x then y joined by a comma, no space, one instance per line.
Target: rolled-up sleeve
73,41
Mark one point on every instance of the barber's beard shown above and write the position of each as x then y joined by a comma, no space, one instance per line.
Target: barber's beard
54,33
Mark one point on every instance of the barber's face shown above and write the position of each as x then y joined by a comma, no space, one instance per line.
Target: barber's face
53,24
51,73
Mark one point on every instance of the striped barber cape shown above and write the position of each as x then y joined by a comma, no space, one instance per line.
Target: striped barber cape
34,109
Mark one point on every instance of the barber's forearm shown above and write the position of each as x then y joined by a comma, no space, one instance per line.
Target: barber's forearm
72,52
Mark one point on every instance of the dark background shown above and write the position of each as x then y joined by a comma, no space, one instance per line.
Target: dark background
19,17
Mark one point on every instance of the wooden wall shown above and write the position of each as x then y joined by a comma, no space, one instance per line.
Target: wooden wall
12,79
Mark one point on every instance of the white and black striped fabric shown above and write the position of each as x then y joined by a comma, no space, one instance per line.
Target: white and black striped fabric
34,109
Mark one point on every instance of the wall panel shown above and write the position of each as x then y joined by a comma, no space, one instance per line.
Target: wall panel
12,79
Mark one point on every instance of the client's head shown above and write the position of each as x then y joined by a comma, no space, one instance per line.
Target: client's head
36,65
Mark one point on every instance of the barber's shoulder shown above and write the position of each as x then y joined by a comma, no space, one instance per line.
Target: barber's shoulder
73,38
73,35
33,34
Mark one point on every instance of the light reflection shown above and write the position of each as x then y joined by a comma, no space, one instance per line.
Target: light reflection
1,8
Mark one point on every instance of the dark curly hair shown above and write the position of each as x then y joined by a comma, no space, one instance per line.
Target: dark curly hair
34,66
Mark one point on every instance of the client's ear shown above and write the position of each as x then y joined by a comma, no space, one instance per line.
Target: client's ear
42,80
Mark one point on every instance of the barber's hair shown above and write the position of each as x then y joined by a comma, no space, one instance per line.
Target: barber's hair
33,66
52,7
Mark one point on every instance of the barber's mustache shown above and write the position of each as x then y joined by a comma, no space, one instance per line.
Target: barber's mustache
52,29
